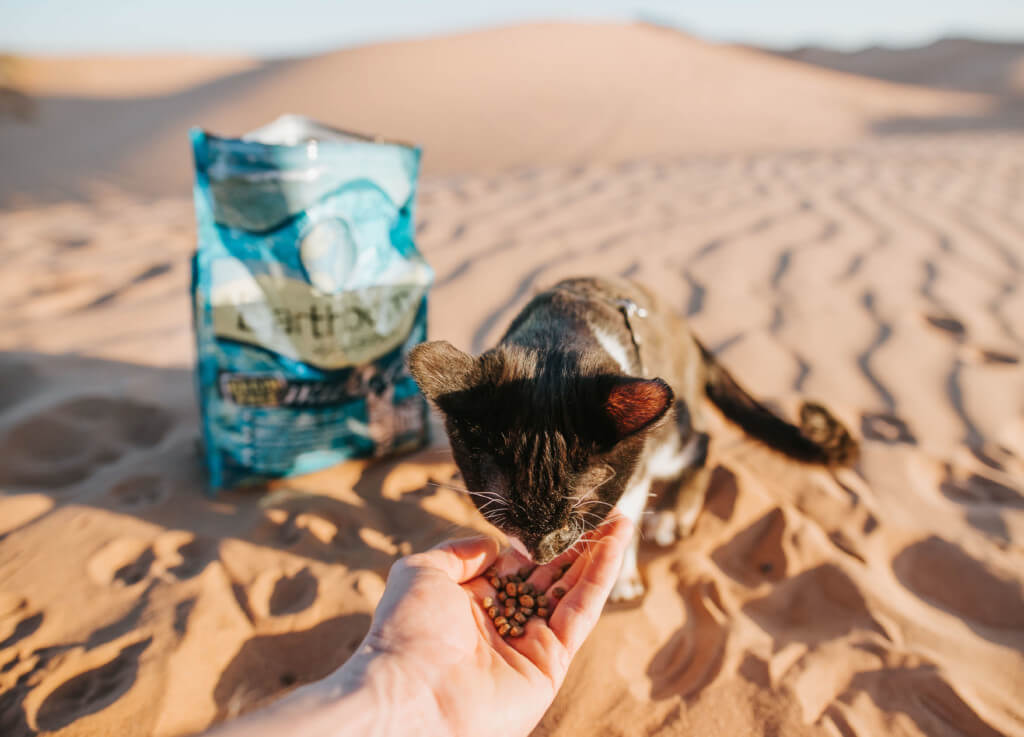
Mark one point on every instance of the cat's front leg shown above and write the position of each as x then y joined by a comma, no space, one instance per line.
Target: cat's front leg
629,585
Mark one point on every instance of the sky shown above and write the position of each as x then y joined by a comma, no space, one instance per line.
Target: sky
296,27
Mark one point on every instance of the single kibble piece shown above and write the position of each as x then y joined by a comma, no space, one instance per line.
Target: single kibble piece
526,600
515,631
488,602
527,612
541,600
510,589
558,592
542,612
504,629
495,582
510,610
498,621
492,612
519,617
502,595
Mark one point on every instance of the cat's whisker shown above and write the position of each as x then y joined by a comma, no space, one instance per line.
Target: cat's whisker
595,502
489,502
594,519
590,500
449,486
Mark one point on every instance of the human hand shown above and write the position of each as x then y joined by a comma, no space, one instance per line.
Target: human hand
433,663
431,627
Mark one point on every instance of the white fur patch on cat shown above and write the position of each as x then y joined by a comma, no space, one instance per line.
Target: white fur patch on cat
613,348
632,502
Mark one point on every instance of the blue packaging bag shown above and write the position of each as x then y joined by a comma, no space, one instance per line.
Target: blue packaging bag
308,293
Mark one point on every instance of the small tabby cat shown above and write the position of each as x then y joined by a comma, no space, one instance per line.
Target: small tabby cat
595,392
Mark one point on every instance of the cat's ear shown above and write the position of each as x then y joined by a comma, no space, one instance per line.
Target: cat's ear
634,404
440,368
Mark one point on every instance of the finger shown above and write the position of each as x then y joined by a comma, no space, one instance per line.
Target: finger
595,572
460,560
545,575
511,563
575,561
545,651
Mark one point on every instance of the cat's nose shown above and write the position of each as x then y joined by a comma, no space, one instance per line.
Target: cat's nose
553,544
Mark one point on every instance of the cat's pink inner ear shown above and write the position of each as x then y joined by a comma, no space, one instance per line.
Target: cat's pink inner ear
634,404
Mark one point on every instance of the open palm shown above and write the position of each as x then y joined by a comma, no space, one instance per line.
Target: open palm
431,617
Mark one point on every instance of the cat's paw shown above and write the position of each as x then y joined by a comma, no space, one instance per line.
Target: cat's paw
662,528
628,587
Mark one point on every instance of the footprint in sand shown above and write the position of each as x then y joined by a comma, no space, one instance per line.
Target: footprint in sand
984,594
757,553
19,379
923,694
16,623
692,656
183,554
121,562
267,663
276,594
818,605
65,444
136,492
91,691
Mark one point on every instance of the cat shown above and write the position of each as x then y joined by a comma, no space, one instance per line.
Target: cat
594,393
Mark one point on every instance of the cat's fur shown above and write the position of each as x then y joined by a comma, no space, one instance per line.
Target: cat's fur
595,392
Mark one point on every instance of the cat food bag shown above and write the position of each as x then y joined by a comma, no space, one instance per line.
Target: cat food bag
308,293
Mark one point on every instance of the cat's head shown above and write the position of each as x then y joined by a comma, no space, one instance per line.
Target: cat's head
545,444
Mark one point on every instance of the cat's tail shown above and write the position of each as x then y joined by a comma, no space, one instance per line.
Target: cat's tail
821,438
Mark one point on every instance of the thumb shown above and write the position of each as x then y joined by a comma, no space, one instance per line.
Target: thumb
460,560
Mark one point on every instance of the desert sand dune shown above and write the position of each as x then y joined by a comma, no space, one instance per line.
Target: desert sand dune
541,94
994,69
964,64
881,276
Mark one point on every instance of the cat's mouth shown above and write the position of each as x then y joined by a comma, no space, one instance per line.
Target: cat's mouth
549,548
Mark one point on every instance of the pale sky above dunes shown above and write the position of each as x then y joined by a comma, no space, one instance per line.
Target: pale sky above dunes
264,28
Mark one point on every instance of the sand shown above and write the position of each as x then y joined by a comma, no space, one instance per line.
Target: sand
817,250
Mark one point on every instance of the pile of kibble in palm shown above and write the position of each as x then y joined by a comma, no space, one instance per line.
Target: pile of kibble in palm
517,602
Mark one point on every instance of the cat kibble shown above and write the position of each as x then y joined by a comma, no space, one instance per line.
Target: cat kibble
516,603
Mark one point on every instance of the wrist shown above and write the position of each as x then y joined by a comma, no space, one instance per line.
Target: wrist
380,694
